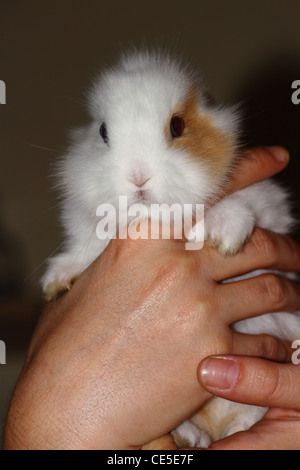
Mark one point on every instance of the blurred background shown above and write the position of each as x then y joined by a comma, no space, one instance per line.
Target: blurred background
248,52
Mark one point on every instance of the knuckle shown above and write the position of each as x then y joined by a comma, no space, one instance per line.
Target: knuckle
275,289
172,268
264,245
294,252
269,386
271,348
119,248
206,308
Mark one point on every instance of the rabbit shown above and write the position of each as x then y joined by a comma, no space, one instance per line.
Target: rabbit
156,137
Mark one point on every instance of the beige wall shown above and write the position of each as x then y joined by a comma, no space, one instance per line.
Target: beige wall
49,50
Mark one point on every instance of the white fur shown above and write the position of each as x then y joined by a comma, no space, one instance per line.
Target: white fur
135,100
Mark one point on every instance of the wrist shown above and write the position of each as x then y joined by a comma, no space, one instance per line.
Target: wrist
32,423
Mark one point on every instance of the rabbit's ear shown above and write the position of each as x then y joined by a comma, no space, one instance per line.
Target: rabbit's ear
206,134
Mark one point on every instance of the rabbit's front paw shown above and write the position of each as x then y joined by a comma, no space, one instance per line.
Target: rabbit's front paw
228,226
60,275
56,288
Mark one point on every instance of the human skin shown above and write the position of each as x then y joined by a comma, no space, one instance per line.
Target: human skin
112,363
257,382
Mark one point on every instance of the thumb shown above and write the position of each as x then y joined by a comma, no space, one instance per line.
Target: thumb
256,165
251,380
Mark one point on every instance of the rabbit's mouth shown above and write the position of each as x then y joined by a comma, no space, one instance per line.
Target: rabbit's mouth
142,196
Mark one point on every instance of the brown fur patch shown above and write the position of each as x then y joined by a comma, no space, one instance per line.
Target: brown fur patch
201,138
215,417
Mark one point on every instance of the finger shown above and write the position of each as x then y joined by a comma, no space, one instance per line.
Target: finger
256,165
279,429
263,346
282,413
252,381
266,293
265,435
265,250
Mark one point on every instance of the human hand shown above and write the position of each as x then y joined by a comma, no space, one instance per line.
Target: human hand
257,382
101,364
112,362
261,383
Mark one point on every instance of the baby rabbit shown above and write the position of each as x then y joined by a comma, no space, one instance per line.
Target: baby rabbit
154,137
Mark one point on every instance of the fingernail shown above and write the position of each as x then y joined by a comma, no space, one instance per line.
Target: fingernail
219,373
279,153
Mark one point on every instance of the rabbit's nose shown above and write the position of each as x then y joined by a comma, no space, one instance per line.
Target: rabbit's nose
138,179
139,184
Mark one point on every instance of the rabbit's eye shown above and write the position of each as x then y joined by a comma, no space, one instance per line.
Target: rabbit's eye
103,132
176,126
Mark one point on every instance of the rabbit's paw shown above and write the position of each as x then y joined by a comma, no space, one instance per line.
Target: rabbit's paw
228,225
189,435
60,275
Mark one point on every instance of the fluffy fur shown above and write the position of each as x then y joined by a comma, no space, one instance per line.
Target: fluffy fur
137,99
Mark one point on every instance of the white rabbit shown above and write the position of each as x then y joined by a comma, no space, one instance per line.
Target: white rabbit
155,138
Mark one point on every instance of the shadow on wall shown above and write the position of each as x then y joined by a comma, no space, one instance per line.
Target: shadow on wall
271,118
12,264
18,308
